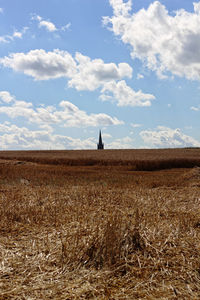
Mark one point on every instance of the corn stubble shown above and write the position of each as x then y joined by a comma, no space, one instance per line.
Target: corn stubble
87,232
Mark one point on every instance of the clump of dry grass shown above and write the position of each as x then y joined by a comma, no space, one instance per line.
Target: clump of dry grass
84,233
112,242
191,177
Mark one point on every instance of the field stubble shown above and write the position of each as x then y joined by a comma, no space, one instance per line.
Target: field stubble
98,232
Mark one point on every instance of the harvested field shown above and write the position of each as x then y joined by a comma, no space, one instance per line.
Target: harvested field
102,231
144,159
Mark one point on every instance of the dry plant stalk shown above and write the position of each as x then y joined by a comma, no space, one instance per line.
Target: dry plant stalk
98,233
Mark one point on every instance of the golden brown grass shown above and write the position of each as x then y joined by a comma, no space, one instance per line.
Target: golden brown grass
144,159
98,232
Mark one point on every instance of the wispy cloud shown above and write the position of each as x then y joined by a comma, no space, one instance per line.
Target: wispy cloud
122,143
15,35
49,25
135,125
140,76
195,108
66,27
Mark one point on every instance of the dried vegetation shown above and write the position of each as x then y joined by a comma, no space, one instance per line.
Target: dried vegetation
98,232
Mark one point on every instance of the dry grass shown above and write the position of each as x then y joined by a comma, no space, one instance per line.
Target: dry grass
140,160
98,232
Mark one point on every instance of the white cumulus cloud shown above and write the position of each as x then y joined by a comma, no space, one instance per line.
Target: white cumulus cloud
21,138
82,73
14,137
163,42
125,95
120,7
66,115
41,65
165,137
73,117
6,96
91,74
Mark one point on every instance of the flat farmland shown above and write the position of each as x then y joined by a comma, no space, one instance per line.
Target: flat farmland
138,158
116,155
111,224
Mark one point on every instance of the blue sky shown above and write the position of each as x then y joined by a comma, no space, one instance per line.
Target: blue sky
70,68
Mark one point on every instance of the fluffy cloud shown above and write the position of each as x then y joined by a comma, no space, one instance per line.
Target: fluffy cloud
167,138
120,7
82,73
164,43
97,73
72,116
42,65
6,96
21,138
68,114
124,95
18,138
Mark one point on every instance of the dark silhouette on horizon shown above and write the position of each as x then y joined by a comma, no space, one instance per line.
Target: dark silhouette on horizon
100,145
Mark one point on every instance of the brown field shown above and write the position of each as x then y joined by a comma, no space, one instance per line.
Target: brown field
111,224
141,160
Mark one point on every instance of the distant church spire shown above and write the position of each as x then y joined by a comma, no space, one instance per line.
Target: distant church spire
100,145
